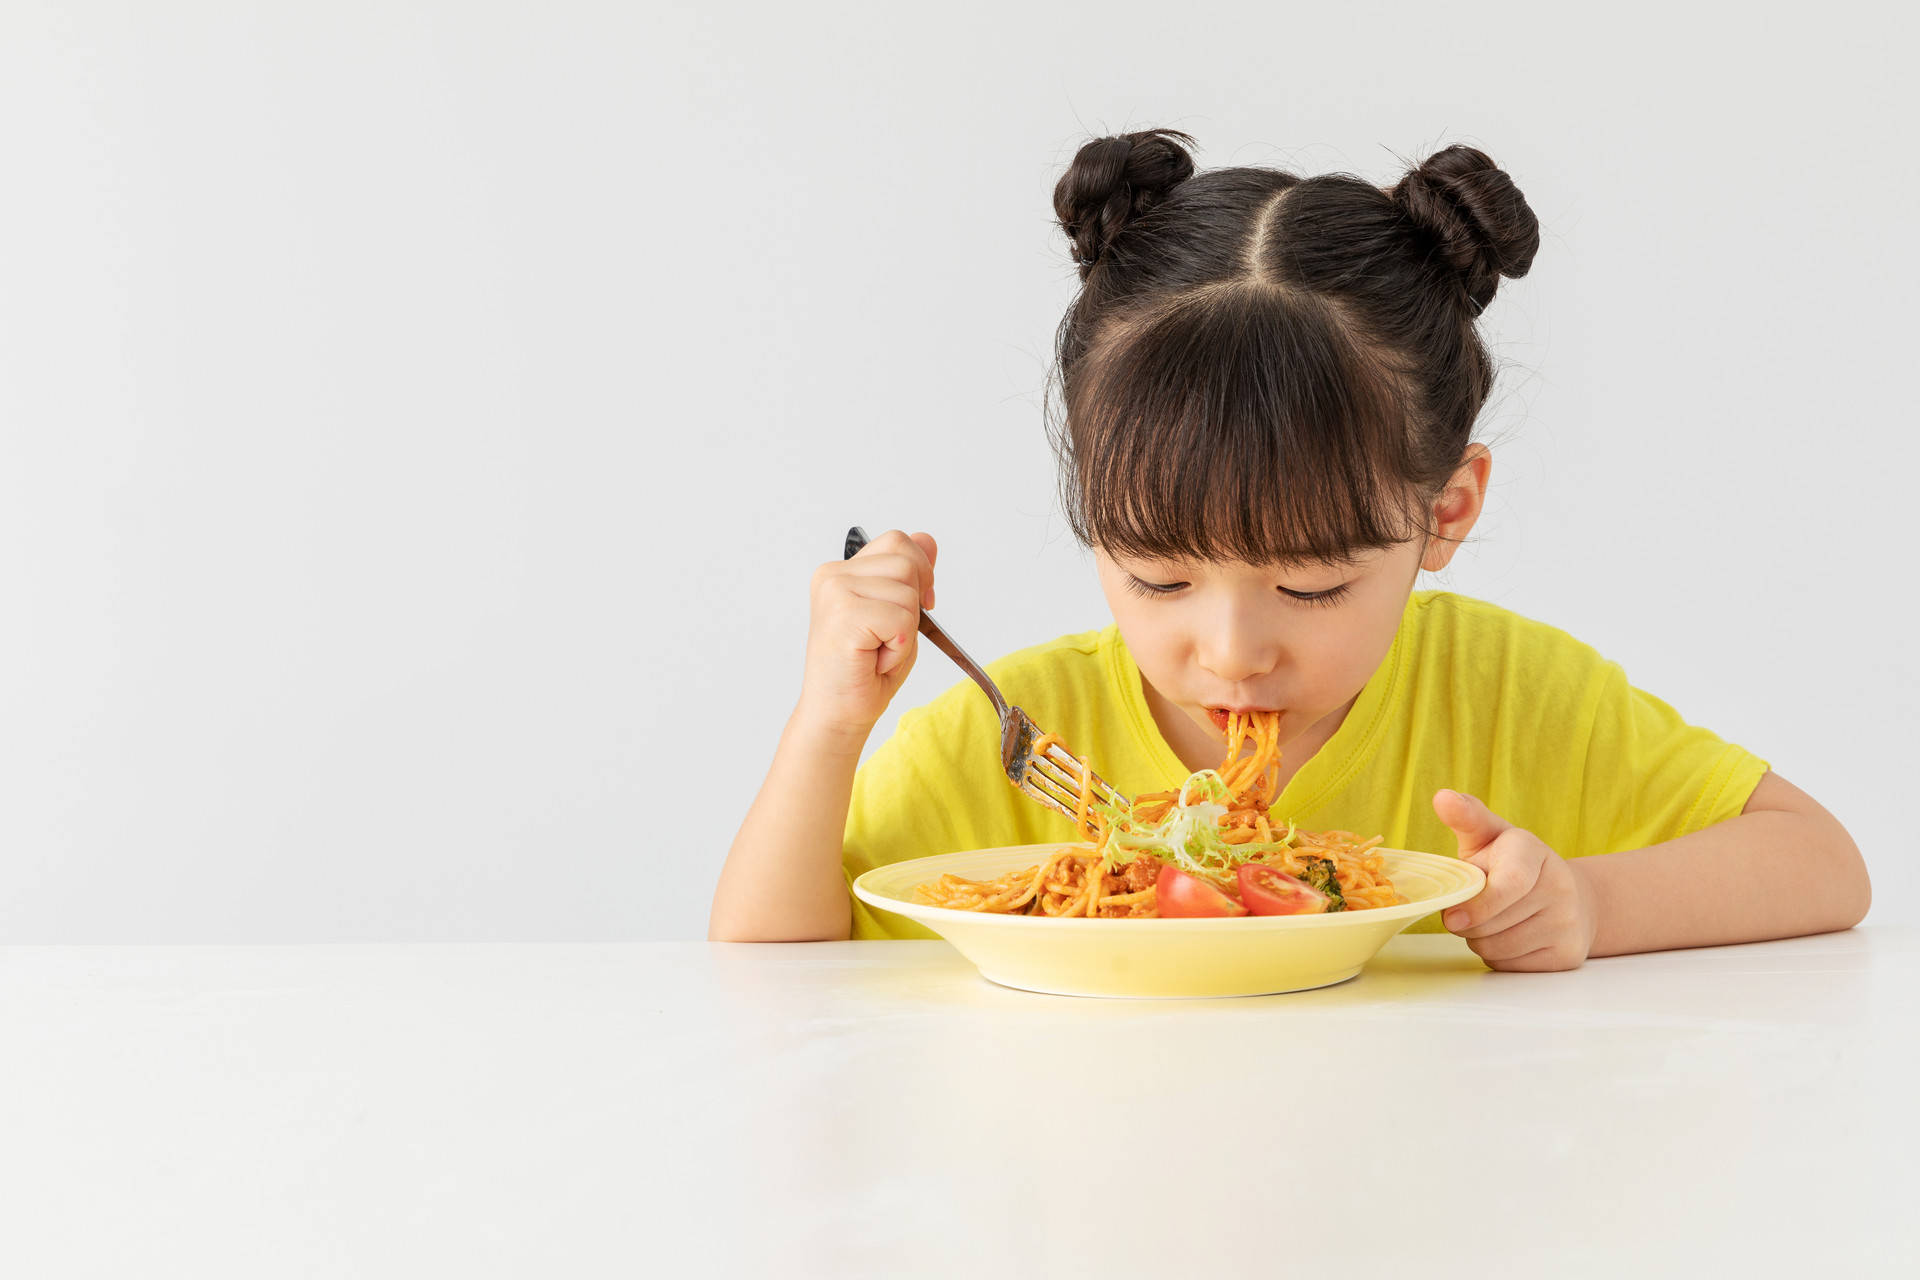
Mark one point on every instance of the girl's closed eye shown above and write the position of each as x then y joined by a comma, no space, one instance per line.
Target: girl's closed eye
1140,588
1331,595
1151,589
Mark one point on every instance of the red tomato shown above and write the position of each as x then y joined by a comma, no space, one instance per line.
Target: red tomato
1271,892
1182,895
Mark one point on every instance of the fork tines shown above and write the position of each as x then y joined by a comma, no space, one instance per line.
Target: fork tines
1054,780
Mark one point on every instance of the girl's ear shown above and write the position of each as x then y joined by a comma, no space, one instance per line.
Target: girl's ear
1458,506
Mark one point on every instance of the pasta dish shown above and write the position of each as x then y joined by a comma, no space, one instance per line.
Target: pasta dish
1207,848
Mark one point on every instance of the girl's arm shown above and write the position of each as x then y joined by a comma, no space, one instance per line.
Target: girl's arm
782,881
1783,867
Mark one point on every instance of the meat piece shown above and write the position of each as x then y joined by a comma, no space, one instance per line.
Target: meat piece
1134,876
1140,873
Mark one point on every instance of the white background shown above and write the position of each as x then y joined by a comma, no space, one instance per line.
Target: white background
418,422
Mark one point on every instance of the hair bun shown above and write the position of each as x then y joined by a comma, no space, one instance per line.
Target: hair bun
1482,225
1114,180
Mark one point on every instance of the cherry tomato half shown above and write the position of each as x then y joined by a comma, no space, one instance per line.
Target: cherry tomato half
1182,895
1271,892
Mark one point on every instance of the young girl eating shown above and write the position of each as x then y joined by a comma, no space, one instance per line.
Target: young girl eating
1270,385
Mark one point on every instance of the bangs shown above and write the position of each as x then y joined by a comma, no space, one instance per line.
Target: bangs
1236,424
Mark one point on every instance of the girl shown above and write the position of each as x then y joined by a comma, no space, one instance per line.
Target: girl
1269,386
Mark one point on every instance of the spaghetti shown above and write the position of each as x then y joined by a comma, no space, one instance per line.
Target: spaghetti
1209,825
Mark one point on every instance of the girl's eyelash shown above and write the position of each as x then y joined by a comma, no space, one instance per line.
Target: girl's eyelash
1151,589
1330,596
1140,588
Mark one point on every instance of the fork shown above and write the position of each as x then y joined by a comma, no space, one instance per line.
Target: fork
1053,778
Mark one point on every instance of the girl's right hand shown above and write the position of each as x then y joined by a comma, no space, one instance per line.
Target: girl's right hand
863,634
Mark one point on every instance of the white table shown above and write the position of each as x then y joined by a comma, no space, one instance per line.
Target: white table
877,1108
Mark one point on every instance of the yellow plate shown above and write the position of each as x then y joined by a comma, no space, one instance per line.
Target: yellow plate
1237,956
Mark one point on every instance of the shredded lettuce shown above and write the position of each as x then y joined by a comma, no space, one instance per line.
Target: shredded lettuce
1189,835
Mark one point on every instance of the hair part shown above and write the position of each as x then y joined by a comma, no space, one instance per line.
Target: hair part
1268,368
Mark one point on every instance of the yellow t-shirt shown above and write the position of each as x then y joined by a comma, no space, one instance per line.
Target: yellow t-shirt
1471,696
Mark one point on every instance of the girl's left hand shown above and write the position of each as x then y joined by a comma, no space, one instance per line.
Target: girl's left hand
1534,913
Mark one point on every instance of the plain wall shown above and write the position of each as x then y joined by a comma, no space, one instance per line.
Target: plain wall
420,420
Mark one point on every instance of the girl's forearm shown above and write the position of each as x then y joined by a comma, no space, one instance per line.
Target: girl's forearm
1768,873
782,880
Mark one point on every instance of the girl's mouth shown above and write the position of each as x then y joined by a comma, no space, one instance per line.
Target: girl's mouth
1219,717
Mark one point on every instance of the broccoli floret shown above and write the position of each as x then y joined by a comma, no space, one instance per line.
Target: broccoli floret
1318,872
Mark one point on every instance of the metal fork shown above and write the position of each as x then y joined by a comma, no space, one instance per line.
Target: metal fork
1054,778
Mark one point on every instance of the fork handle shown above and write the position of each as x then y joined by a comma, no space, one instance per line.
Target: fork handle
856,539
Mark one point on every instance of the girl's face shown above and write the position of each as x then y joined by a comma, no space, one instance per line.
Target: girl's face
1298,639
1301,639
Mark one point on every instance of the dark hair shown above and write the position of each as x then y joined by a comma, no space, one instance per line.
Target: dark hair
1264,367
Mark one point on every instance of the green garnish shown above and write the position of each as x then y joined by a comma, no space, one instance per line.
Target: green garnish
1318,872
1189,835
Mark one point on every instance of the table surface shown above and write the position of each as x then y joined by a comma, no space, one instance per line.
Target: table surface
879,1109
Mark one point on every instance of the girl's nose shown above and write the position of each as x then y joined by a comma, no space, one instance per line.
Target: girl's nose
1237,649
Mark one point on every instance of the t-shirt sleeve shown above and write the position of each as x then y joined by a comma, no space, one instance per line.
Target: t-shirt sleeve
934,786
1650,776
